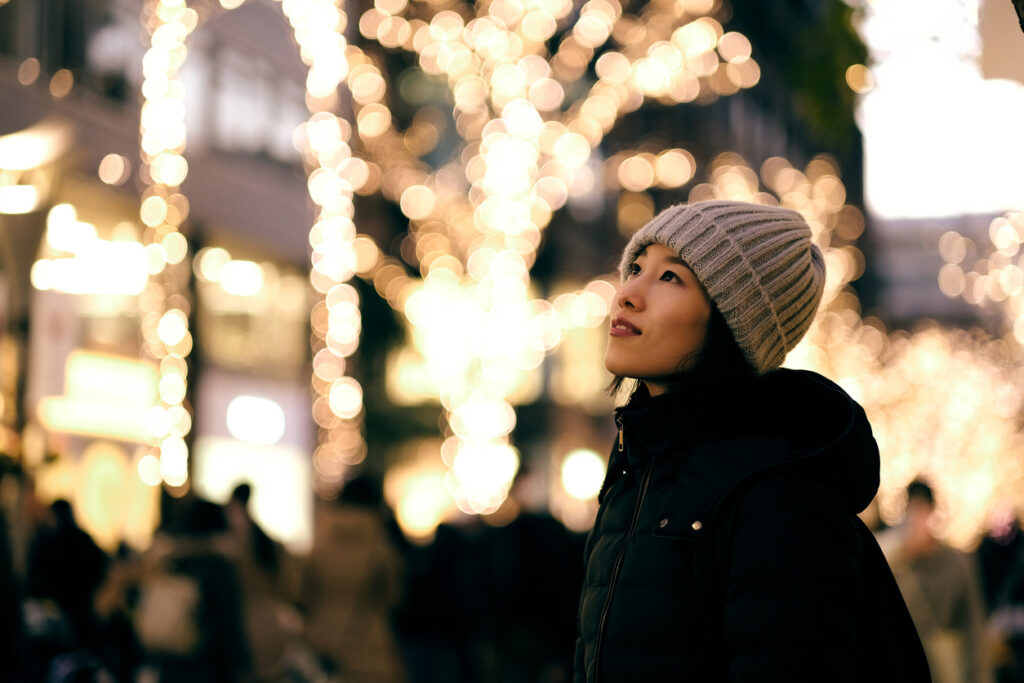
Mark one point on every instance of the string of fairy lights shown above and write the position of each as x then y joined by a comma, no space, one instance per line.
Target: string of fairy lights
165,309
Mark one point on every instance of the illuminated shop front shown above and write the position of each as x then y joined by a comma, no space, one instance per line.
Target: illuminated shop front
102,420
93,413
252,400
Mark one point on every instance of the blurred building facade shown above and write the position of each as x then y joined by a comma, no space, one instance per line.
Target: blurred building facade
940,148
76,377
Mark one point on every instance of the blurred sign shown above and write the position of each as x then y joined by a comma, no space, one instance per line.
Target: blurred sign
105,396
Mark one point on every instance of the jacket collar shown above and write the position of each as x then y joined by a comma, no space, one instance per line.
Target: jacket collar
655,427
788,420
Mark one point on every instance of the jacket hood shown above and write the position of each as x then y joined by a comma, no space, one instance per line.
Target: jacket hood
792,421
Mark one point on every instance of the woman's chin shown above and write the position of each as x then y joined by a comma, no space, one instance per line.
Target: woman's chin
615,368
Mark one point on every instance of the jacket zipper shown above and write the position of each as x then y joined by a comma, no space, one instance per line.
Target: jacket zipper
617,567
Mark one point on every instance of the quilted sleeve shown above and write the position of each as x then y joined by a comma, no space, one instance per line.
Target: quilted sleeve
792,578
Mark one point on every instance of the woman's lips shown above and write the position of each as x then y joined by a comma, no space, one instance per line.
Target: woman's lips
621,327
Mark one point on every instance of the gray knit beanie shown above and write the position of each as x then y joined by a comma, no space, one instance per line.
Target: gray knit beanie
756,262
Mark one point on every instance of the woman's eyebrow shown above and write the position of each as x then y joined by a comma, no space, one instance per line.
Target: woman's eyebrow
675,261
671,259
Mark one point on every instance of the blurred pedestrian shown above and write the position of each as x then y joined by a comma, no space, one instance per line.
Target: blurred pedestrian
260,553
13,665
351,582
268,617
942,588
188,616
726,545
445,617
535,580
1001,556
66,566
113,603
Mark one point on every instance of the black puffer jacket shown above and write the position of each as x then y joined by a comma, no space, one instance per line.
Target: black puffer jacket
726,545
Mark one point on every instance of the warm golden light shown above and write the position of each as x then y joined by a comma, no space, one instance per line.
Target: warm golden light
173,327
114,169
34,147
105,396
582,474
149,470
241,278
61,83
28,71
255,419
860,79
19,199
416,490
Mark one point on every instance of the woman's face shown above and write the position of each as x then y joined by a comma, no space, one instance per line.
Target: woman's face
660,319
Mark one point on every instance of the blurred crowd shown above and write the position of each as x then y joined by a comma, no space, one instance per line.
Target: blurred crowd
968,607
214,599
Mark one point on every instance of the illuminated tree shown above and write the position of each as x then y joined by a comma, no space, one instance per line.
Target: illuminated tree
534,87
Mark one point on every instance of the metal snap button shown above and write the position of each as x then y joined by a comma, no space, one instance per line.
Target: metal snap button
696,526
663,523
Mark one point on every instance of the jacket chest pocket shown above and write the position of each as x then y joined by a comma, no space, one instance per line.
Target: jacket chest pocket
676,539
674,512
665,561
683,525
681,541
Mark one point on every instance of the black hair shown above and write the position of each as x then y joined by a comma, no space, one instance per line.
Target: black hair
716,371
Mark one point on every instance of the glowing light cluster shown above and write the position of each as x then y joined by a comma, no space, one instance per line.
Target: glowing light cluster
83,263
416,490
995,278
26,158
338,253
640,171
505,85
477,340
235,276
582,474
163,209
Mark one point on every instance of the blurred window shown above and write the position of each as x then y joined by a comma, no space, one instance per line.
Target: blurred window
252,315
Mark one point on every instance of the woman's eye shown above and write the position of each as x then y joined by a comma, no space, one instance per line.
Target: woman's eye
632,269
668,276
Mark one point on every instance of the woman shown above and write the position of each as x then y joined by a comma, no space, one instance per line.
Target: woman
726,546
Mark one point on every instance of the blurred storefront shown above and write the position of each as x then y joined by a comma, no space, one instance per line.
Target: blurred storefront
132,368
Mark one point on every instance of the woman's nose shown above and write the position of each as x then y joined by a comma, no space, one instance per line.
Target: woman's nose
629,295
